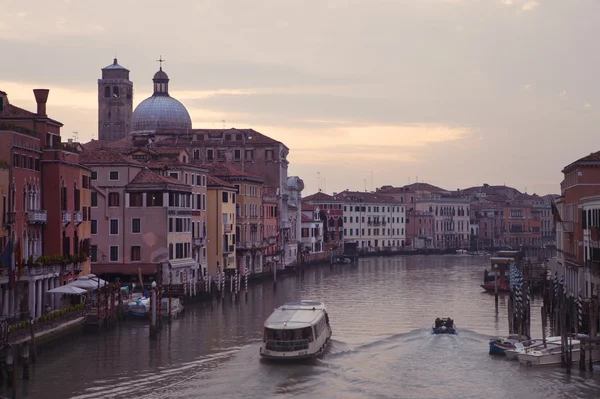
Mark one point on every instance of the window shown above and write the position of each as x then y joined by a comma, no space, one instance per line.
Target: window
94,253
249,155
154,198
94,226
221,155
114,253
136,225
136,199
113,199
209,155
225,196
269,155
113,175
136,251
203,202
174,175
170,251
94,199
237,155
203,181
94,175
114,226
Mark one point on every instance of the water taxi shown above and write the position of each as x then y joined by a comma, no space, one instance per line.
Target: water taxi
296,330
444,326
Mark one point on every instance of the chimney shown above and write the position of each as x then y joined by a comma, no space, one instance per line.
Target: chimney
41,96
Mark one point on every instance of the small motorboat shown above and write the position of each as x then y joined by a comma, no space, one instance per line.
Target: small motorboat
498,346
444,326
521,347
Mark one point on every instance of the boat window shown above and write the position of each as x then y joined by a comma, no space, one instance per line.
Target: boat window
271,334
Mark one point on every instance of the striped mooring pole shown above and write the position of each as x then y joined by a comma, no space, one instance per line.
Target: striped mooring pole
246,280
556,284
223,284
236,282
580,313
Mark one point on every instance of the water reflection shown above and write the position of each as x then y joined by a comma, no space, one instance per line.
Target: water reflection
381,311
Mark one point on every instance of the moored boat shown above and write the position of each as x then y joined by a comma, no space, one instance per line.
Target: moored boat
176,308
520,347
498,346
444,326
551,355
296,330
139,307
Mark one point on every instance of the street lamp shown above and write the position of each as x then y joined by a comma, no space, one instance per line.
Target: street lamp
132,287
153,284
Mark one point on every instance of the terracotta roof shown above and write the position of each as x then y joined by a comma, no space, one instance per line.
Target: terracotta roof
320,197
186,136
11,112
592,159
213,181
307,207
101,155
353,196
226,171
146,176
173,164
410,188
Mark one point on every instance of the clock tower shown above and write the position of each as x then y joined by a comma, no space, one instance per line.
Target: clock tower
115,102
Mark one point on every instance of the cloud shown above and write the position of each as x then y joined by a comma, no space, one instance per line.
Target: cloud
587,105
530,5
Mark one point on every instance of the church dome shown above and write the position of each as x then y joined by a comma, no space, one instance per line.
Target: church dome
160,110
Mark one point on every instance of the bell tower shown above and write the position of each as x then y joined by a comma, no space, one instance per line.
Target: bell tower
115,102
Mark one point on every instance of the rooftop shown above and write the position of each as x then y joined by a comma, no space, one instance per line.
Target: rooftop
593,159
146,176
320,197
294,315
213,181
366,197
228,172
101,155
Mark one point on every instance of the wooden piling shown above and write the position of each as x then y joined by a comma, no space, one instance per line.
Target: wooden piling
32,349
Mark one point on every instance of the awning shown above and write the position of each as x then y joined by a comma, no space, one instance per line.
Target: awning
67,289
127,269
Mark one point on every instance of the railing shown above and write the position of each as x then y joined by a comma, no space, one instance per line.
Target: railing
35,216
78,217
227,249
66,217
287,346
198,241
227,228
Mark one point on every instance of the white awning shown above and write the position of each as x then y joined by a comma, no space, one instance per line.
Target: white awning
67,289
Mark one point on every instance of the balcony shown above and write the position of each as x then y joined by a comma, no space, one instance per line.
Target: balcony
198,242
66,217
37,216
228,249
9,218
78,217
227,228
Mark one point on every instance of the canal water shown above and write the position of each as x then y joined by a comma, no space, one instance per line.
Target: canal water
381,311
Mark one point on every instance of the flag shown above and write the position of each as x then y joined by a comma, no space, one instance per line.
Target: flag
555,213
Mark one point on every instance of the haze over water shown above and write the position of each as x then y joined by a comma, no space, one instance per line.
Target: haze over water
381,311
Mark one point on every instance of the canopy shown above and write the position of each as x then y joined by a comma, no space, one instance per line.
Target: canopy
67,289
88,283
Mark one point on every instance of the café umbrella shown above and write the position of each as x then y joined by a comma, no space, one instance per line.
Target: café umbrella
88,283
67,289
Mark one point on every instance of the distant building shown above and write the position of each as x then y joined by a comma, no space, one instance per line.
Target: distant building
312,230
221,244
331,213
115,102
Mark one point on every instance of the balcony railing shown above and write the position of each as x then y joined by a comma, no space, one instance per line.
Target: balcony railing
66,217
37,216
78,217
228,249
227,228
567,227
198,241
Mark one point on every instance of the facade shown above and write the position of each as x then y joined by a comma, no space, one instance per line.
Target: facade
221,243
141,221
270,219
375,222
332,215
575,260
451,219
312,230
32,150
115,102
419,230
587,280
249,226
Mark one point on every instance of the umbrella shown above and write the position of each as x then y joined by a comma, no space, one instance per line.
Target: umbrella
88,283
67,289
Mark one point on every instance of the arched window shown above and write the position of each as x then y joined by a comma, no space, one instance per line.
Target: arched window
107,91
116,91
24,198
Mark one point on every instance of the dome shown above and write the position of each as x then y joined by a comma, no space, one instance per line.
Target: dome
160,112
160,75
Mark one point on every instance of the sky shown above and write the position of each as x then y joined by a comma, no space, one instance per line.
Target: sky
365,93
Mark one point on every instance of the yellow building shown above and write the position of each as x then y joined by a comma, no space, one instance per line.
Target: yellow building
221,199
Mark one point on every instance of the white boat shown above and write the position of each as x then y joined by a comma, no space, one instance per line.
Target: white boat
537,343
549,356
296,330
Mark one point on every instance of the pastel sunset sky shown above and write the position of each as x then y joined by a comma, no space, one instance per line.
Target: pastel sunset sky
454,92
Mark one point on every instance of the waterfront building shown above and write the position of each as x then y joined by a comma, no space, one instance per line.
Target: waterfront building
419,229
141,220
576,237
221,243
271,253
312,230
522,223
47,229
374,221
163,121
115,102
332,215
4,194
249,226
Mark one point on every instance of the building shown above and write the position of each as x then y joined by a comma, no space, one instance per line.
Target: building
115,102
451,218
312,230
375,222
419,230
141,220
5,193
221,243
575,260
270,220
332,215
588,283
45,178
249,225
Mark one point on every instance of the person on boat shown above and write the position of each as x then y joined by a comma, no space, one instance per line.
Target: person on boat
449,322
437,322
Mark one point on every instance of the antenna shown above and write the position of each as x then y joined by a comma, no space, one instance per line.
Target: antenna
417,179
319,181
365,185
223,120
76,137
371,180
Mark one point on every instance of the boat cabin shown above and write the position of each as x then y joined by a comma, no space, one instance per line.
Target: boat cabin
499,266
293,326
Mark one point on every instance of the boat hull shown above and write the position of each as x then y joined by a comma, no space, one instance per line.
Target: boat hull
497,348
313,351
490,287
450,331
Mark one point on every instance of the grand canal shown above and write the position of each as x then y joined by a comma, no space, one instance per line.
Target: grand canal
381,312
